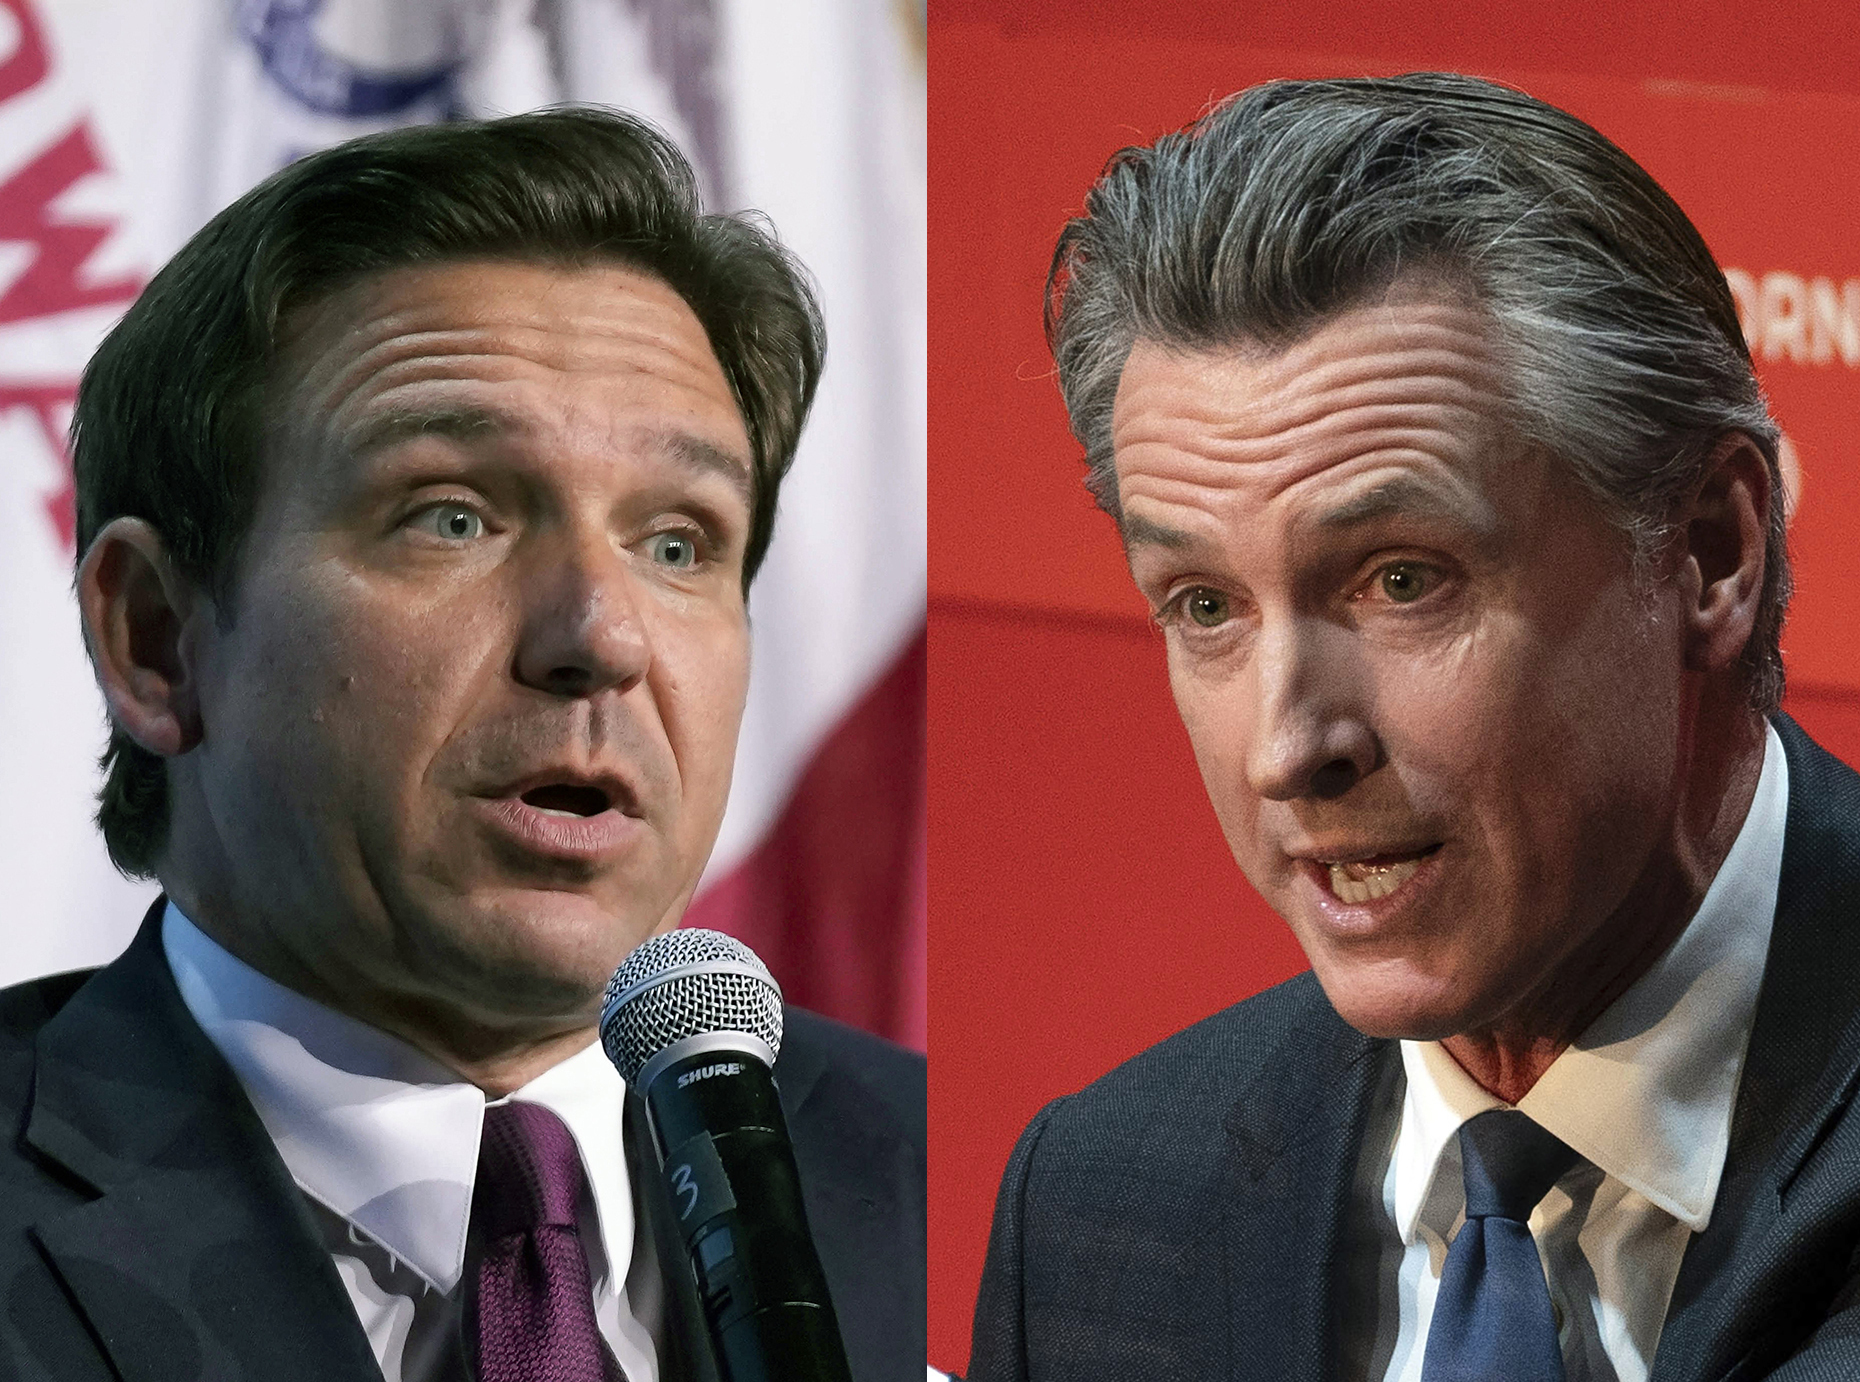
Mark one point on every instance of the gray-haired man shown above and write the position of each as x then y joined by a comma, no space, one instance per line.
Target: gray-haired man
1435,448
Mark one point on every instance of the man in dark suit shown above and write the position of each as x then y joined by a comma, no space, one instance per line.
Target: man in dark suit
1435,447
418,503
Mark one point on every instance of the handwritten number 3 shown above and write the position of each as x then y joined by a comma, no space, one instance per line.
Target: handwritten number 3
682,1185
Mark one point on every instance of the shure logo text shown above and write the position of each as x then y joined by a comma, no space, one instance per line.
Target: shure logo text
704,1072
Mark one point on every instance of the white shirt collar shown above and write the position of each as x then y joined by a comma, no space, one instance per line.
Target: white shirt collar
1646,1093
378,1131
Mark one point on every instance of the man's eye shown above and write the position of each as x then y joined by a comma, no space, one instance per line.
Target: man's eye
676,550
1405,582
1207,608
459,522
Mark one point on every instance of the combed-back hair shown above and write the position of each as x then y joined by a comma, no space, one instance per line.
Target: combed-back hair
1298,199
167,425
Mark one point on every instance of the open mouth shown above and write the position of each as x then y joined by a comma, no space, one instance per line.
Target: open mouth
1365,880
567,799
573,820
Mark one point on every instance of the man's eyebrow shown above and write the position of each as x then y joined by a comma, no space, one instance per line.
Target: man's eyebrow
1395,496
700,454
400,424
1140,532
467,423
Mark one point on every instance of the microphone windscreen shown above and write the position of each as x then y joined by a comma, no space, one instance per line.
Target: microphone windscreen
687,983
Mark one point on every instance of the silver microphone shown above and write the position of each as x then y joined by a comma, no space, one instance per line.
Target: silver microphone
693,1022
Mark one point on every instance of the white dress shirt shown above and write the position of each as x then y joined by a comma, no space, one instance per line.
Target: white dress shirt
1644,1096
383,1141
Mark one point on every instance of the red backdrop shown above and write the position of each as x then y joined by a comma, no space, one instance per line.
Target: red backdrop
1084,902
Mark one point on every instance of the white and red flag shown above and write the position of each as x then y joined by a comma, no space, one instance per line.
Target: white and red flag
125,124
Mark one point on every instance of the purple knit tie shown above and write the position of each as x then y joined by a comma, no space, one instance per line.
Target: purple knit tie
535,1303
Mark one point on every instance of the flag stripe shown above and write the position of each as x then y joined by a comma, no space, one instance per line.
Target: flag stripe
833,898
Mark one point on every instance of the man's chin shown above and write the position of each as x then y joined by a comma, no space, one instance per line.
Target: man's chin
546,957
1404,1007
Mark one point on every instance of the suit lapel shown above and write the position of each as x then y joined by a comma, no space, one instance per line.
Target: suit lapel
197,1258
862,1187
1799,1079
1294,1137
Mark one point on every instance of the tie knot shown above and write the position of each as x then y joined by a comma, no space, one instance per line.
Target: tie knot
529,1171
1510,1164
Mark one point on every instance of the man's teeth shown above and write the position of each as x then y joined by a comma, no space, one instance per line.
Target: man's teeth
1366,882
557,811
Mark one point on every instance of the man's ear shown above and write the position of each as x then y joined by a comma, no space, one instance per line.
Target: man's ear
139,616
1724,532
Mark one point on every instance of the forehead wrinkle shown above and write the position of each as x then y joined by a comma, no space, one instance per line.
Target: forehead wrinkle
1345,394
1403,393
1378,395
490,355
1187,477
337,382
1351,343
1200,437
353,335
1157,532
1373,332
466,384
1278,461
1322,426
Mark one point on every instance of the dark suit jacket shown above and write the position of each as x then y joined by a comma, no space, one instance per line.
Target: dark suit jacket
1185,1216
149,1231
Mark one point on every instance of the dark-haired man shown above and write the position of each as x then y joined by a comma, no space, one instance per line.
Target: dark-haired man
1435,448
419,499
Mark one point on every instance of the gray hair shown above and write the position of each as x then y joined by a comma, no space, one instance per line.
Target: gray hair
1298,199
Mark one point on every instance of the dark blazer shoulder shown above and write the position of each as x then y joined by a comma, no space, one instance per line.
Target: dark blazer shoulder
1171,1083
1127,1208
149,1230
894,1077
1248,1077
25,1008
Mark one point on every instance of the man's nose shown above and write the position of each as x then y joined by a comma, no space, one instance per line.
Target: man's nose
582,628
1312,736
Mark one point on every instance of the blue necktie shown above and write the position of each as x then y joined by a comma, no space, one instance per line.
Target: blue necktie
1492,1316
